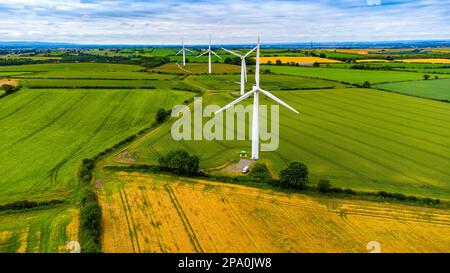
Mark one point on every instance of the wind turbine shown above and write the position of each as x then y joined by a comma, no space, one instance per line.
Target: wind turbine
243,66
209,51
183,50
255,92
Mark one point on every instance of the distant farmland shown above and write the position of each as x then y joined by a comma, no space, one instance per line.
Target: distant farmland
159,213
353,76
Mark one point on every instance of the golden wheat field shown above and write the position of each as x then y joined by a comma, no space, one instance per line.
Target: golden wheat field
161,213
299,60
432,61
372,61
350,51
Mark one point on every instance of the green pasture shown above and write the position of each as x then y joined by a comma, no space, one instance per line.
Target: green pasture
46,134
197,68
433,89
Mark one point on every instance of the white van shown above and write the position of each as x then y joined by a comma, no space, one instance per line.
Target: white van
245,169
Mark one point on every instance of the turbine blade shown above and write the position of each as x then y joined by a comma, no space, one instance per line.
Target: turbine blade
179,52
189,50
267,93
216,54
231,52
250,52
241,98
204,52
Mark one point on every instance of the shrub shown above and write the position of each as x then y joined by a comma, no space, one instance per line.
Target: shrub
179,162
90,223
294,176
324,185
260,172
426,77
161,115
366,84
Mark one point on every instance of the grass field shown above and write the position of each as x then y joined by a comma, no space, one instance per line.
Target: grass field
81,70
354,76
272,82
39,231
143,213
49,132
436,89
357,138
198,68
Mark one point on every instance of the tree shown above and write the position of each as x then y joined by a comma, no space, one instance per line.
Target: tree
161,115
324,185
426,77
294,176
322,55
278,62
366,84
180,162
316,64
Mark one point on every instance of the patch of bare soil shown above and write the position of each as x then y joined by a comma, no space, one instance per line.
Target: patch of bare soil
236,168
13,82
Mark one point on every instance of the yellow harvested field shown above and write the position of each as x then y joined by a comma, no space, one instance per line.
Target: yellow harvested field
13,82
299,60
350,51
372,61
162,213
432,61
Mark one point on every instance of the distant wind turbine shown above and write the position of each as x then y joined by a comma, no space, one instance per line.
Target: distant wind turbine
243,67
183,50
255,92
209,51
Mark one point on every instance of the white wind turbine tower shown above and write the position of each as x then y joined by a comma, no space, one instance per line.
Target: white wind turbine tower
243,67
183,50
209,51
255,92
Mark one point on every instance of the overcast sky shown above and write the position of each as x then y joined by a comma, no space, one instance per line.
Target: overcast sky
231,21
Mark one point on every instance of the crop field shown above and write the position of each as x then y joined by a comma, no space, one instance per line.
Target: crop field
354,76
198,68
265,60
351,51
43,151
80,70
436,89
357,138
38,231
433,61
272,82
158,213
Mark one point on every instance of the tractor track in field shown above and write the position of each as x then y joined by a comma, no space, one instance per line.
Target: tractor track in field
402,134
53,121
153,219
53,173
133,224
127,218
21,107
391,152
398,123
379,106
241,223
370,132
187,225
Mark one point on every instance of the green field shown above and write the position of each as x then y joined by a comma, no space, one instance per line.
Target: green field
353,76
198,68
49,132
271,82
38,231
82,71
436,89
11,73
357,138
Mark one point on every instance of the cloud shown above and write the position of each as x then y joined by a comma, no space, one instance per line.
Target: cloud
165,21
